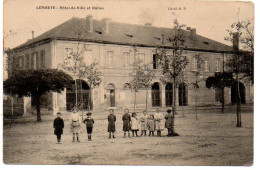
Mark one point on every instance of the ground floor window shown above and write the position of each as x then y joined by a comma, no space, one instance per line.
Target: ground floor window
242,92
183,94
111,91
168,95
156,95
83,93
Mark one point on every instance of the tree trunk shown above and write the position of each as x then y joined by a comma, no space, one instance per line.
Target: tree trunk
223,99
239,124
76,93
135,101
38,108
174,105
146,99
182,101
196,102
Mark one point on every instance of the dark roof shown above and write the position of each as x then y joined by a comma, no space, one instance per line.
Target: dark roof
121,33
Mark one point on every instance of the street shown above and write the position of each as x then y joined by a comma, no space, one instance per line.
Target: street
213,139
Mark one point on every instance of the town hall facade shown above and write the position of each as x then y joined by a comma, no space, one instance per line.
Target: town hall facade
114,46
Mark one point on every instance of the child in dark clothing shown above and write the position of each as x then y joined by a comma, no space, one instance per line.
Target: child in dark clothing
89,121
111,123
58,126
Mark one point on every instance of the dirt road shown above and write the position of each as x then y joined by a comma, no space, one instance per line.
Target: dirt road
214,139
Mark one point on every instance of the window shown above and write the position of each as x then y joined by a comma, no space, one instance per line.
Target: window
68,51
141,57
110,57
27,61
155,61
88,57
21,62
127,86
168,62
206,65
218,95
38,60
42,58
217,64
195,64
33,61
126,58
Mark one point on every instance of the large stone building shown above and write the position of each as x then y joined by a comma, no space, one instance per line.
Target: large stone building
114,46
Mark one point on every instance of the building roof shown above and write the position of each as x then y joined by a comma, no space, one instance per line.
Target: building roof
125,34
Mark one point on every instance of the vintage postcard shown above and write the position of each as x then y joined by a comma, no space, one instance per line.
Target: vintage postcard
158,82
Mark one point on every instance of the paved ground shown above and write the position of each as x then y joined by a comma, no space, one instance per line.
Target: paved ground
214,139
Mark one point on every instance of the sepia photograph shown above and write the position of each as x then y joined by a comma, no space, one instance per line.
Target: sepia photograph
128,82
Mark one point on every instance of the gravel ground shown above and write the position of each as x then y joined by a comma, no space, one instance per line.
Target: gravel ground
213,139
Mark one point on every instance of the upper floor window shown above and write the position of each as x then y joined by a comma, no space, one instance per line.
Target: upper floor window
38,60
110,58
155,61
27,61
206,65
68,52
88,57
217,64
195,64
167,61
42,59
141,57
126,58
33,60
21,62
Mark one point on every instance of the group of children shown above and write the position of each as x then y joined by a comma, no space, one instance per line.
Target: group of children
151,123
145,123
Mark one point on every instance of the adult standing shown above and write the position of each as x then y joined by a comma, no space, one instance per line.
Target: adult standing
126,123
75,122
111,123
159,122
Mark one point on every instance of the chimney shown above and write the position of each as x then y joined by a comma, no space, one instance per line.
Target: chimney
192,33
89,23
105,24
236,41
32,34
148,24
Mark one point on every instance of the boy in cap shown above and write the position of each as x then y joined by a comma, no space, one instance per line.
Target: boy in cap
89,121
58,126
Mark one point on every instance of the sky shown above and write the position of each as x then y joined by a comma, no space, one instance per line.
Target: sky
211,19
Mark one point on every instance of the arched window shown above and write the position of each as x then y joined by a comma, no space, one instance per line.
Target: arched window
127,86
111,90
156,95
168,94
83,96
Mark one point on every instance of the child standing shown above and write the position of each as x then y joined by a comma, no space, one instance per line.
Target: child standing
168,122
111,123
143,121
150,125
134,124
89,121
158,120
58,126
75,121
126,122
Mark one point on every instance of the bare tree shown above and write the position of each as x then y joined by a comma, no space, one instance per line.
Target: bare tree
93,76
141,77
174,65
242,61
198,68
